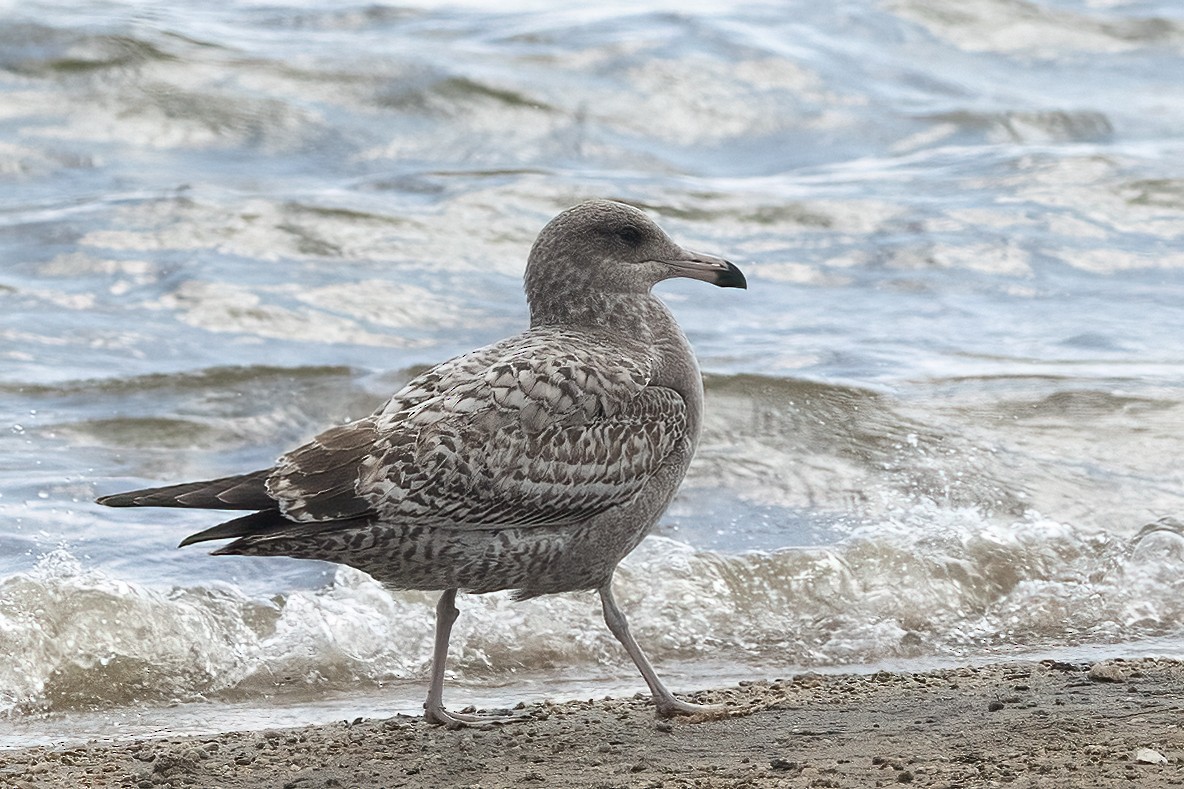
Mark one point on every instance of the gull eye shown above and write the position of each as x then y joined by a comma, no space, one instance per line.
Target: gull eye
629,234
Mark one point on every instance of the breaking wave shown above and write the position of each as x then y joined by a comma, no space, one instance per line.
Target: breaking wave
927,584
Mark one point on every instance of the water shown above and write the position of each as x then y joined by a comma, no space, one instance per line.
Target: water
938,422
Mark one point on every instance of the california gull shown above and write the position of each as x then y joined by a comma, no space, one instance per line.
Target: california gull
534,464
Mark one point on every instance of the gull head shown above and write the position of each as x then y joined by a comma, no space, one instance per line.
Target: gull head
601,247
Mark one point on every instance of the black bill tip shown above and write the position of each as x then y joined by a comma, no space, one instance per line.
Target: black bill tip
731,277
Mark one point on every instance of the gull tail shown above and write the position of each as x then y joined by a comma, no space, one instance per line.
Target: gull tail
257,524
271,533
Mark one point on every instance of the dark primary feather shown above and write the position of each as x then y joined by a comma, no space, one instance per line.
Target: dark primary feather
240,492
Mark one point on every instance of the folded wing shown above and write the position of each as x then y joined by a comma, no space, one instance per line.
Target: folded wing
540,430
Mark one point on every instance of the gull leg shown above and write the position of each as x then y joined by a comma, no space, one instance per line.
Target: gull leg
664,700
434,712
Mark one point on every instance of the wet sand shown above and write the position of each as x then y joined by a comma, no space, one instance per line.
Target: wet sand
1117,723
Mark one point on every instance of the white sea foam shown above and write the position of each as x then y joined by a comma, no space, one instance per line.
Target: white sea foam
932,584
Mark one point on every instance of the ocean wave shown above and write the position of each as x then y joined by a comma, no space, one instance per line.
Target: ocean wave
927,584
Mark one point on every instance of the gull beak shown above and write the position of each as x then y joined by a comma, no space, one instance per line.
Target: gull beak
709,268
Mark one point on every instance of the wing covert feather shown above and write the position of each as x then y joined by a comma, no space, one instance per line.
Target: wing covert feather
514,434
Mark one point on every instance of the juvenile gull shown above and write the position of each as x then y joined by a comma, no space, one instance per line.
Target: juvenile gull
533,464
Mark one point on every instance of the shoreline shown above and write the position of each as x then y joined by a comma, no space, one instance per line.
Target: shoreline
1047,724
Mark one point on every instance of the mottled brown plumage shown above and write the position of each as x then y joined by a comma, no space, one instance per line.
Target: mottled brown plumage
534,464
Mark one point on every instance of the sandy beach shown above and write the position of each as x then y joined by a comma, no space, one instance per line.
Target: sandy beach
1116,723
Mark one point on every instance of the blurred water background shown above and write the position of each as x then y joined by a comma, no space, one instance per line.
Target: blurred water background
944,424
